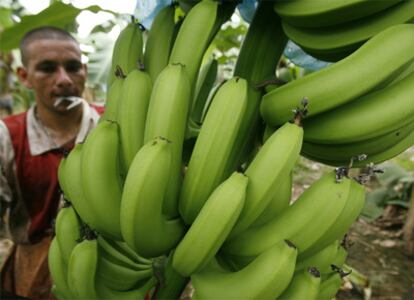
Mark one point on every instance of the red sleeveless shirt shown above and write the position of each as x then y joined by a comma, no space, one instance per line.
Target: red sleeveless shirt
36,178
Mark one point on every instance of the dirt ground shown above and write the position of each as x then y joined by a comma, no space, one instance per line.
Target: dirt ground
378,255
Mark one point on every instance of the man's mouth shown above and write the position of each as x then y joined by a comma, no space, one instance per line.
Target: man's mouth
72,101
64,94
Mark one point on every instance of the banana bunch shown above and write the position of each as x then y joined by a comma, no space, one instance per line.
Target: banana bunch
144,226
95,269
321,215
310,14
375,123
332,30
341,83
357,114
181,181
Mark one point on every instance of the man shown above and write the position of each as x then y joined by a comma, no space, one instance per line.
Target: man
31,147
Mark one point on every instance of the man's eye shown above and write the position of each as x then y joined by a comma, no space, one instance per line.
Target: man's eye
73,67
47,68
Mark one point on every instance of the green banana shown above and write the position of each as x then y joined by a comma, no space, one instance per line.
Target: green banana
341,83
167,117
196,30
275,159
345,152
128,51
211,226
304,222
82,269
113,99
322,260
144,227
348,37
409,70
377,158
138,292
61,176
304,285
259,54
124,263
280,201
73,189
205,82
262,47
329,286
207,166
112,252
304,13
58,269
132,113
101,180
123,247
159,42
370,116
340,257
118,277
351,211
68,231
264,278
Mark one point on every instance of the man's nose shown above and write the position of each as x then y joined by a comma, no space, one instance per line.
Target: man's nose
62,77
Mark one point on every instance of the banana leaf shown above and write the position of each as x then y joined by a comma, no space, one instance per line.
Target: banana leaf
58,14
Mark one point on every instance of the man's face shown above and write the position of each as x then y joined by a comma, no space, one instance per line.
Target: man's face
54,69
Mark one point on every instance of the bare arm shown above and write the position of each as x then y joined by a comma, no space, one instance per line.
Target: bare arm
7,175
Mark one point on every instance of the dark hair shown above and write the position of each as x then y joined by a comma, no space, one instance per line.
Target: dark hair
42,33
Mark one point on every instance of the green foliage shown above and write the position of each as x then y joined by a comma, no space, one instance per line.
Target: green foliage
5,18
23,98
58,14
395,188
228,38
406,160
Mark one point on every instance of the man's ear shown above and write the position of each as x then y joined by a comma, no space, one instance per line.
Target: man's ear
23,78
